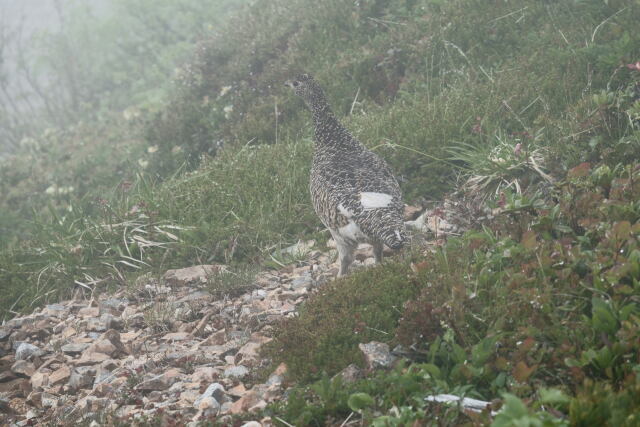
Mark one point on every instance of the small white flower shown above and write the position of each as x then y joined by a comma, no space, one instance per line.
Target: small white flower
51,190
143,163
152,149
224,90
227,111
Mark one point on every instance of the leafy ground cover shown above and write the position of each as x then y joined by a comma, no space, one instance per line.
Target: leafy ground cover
541,305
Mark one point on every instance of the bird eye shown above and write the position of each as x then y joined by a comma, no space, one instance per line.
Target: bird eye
296,83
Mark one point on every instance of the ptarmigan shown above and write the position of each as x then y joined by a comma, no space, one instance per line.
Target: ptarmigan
353,190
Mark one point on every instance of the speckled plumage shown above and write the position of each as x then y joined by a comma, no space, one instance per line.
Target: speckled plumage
353,190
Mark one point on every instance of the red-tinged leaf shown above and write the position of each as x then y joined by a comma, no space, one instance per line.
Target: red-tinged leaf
521,372
527,344
529,240
419,266
580,171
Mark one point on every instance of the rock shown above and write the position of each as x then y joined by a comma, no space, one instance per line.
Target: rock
56,310
238,391
250,401
215,391
19,387
26,351
109,343
277,376
473,405
377,355
248,353
88,312
23,368
303,282
217,338
198,274
39,380
114,306
49,400
60,375
205,374
90,358
239,371
74,348
351,373
159,382
411,212
199,296
299,249
199,329
177,336
4,333
103,390
82,377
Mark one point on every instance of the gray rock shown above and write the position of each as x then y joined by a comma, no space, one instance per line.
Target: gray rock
57,310
74,348
195,296
377,355
26,351
215,390
104,322
114,305
236,372
23,368
275,379
198,274
157,382
304,281
209,406
49,400
82,377
4,333
351,373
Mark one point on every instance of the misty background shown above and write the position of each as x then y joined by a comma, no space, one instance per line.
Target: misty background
63,61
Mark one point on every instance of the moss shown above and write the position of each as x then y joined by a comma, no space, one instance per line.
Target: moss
359,308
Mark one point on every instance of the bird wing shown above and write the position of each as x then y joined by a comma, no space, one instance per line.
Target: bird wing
367,193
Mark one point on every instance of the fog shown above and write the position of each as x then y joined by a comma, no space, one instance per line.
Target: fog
62,61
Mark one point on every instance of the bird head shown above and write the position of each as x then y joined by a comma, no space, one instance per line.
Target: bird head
309,90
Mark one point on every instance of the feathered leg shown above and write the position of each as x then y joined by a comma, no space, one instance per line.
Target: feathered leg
377,251
346,250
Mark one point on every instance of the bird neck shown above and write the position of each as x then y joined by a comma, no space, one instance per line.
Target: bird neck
328,130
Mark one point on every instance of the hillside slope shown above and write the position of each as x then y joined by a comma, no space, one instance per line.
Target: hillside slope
524,116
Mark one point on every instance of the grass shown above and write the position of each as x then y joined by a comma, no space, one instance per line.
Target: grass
408,83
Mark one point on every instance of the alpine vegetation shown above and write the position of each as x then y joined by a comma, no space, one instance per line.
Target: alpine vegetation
353,190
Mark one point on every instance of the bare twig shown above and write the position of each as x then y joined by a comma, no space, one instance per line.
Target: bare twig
284,422
384,21
593,36
347,420
353,104
509,14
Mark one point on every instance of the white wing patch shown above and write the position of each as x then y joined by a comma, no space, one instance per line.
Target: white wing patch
344,211
370,200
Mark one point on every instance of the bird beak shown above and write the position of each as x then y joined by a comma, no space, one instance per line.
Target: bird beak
289,83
